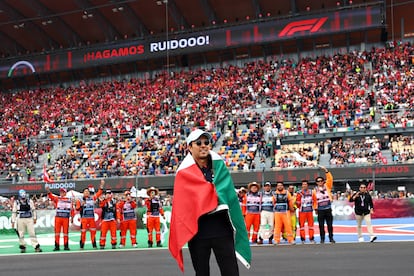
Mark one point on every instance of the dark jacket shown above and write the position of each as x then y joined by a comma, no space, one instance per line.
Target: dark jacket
363,203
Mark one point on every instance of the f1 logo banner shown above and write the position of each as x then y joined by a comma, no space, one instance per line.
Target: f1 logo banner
311,25
211,39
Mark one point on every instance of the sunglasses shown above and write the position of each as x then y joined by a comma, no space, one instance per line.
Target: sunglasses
320,180
199,143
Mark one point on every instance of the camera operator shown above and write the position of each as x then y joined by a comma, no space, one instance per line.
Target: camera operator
363,210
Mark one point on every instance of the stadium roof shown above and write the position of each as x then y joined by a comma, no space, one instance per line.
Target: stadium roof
42,25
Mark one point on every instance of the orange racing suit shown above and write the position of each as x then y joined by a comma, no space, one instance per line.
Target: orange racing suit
154,210
86,207
128,220
64,211
252,201
305,200
283,204
108,206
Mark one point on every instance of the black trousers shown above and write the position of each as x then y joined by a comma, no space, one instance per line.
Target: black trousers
325,216
223,248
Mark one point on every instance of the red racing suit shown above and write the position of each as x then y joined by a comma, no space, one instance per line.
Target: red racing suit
128,220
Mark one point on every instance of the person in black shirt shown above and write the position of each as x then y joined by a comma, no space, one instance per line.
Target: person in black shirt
215,231
363,210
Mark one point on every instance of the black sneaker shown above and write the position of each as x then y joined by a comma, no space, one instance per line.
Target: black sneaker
332,241
102,247
159,244
373,239
38,249
66,248
114,246
56,248
22,249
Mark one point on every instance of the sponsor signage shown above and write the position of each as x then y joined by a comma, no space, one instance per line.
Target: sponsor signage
343,174
274,30
341,210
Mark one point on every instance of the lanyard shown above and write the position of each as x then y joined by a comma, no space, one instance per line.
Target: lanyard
362,200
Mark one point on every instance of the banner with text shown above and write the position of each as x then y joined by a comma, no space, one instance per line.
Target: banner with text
341,210
346,20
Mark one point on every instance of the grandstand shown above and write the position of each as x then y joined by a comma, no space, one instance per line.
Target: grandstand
90,96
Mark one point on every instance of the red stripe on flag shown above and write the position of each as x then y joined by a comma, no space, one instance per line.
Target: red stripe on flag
46,177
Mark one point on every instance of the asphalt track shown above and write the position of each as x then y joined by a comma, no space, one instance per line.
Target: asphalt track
392,254
340,259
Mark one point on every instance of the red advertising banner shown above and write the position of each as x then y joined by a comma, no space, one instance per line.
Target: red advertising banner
383,208
387,177
342,210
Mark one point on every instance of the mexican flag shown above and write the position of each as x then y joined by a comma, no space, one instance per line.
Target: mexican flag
194,196
46,177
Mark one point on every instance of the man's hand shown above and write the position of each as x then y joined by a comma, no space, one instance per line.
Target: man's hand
102,184
34,221
12,224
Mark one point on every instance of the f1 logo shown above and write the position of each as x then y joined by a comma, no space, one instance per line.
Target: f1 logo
311,25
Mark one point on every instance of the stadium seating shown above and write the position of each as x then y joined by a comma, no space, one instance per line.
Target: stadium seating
312,95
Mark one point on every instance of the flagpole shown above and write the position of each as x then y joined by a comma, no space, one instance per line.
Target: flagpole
136,189
373,179
263,171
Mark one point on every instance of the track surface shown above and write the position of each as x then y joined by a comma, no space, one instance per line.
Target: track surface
391,254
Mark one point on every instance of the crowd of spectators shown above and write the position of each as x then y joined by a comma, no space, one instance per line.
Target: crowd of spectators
297,156
346,90
366,150
402,148
17,155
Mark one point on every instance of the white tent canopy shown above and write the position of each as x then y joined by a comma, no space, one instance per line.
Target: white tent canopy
139,193
74,194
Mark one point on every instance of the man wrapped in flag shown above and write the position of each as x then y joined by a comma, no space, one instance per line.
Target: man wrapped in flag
206,212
